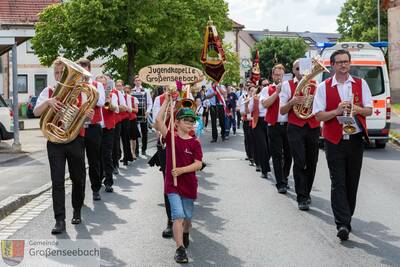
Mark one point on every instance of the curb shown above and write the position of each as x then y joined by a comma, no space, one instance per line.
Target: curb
394,140
14,202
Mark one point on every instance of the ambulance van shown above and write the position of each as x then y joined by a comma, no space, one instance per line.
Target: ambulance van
367,62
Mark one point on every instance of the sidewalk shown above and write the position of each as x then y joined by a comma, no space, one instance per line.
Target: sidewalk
31,139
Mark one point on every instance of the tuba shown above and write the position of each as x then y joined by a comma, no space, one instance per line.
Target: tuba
63,126
304,110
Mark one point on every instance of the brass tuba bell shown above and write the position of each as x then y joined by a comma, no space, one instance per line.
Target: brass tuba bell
304,110
63,126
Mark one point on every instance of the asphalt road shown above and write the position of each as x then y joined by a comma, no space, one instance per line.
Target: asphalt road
239,220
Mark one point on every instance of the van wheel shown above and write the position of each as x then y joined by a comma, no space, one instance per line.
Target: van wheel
380,144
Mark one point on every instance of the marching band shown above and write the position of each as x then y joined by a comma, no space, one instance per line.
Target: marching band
280,120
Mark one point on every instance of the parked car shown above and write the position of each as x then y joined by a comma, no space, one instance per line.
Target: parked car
6,121
30,106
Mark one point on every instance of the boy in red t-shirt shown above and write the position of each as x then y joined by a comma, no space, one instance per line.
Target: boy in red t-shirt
188,155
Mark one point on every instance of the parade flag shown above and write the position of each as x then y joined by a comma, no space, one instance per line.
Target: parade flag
212,54
255,70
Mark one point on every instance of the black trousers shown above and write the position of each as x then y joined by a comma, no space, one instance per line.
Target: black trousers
280,152
303,143
74,154
143,131
107,153
162,159
93,136
217,112
238,119
116,154
344,163
126,140
248,140
261,146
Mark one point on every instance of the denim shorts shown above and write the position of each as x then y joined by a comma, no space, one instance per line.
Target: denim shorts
181,208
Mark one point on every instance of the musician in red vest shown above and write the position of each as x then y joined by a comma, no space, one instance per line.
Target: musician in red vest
260,132
93,135
303,136
110,112
126,126
246,118
344,150
122,107
134,133
277,130
58,154
217,106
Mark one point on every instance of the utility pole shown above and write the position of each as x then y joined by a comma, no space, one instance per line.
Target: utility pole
379,20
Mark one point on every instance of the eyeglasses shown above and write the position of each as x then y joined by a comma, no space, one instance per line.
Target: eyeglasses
343,62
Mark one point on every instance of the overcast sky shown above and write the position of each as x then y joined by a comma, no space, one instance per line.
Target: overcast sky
299,15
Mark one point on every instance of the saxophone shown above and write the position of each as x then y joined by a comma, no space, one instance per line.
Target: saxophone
63,126
304,110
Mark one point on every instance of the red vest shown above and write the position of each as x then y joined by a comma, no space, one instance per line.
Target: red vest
97,110
162,98
118,116
82,130
272,113
132,115
293,119
109,116
255,113
332,130
124,115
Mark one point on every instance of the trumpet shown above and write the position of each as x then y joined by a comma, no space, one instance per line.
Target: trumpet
349,128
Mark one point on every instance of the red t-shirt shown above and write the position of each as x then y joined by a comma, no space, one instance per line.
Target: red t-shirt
186,151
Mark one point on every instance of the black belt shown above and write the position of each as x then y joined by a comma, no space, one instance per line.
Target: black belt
279,124
94,125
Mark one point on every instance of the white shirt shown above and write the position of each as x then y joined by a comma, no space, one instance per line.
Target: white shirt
148,97
128,101
345,92
261,108
286,92
102,94
156,106
199,110
281,118
44,95
121,97
114,102
242,105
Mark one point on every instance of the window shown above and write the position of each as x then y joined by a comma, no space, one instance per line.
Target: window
40,83
22,83
371,74
29,48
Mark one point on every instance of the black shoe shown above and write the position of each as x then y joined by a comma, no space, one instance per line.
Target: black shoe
76,217
167,233
258,169
125,163
186,240
251,163
121,160
282,190
58,228
180,255
144,152
308,201
264,175
213,141
96,196
343,233
109,189
303,205
246,158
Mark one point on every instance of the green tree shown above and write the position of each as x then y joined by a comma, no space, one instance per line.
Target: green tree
358,21
148,31
232,67
273,50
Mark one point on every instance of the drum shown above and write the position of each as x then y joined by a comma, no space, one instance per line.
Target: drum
142,105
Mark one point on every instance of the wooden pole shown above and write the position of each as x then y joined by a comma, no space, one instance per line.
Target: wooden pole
172,120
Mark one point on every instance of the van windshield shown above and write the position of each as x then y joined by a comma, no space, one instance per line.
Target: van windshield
371,74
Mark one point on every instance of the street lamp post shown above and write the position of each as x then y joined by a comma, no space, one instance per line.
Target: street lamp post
379,21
